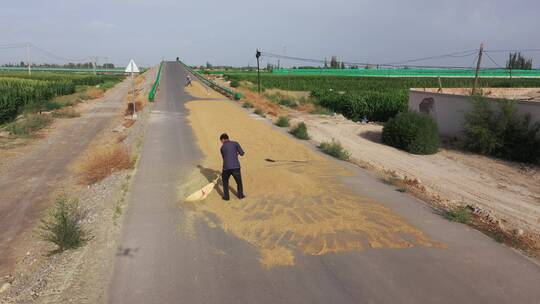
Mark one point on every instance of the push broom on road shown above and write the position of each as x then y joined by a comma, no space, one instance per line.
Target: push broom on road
203,193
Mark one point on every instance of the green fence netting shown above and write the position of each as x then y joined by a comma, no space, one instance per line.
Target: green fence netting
223,90
153,91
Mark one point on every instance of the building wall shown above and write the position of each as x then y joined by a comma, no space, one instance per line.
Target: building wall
449,110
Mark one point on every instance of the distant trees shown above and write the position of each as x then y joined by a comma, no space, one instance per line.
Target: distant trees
334,64
518,62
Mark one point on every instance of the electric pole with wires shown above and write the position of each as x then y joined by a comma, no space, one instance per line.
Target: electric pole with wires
478,63
258,55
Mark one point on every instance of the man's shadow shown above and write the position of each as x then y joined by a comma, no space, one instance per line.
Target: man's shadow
211,175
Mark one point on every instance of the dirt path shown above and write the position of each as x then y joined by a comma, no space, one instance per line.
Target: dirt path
27,181
313,231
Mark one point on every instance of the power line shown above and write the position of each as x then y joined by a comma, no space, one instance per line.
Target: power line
460,54
515,50
454,55
492,60
52,55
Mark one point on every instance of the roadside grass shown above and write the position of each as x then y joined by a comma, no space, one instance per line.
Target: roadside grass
461,214
128,123
234,84
335,149
247,105
282,100
29,124
283,121
390,180
259,112
319,110
63,225
286,102
104,160
300,131
67,112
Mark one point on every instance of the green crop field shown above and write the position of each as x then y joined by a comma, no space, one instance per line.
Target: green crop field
374,98
20,90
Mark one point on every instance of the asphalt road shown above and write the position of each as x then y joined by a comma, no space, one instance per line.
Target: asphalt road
157,263
26,184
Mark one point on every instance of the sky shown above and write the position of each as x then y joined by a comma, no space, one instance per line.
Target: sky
229,32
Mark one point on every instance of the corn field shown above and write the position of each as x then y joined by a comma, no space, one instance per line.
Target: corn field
374,98
19,91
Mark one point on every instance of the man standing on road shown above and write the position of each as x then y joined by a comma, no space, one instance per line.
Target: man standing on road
188,81
231,165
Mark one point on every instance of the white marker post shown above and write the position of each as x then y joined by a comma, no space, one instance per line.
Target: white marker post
132,68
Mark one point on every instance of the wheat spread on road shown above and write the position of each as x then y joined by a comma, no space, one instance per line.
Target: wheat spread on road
291,207
198,90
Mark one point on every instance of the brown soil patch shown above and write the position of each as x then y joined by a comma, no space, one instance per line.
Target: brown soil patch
261,102
292,207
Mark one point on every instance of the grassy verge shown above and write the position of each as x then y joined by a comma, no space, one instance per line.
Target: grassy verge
29,124
461,214
283,121
335,149
259,112
300,131
319,110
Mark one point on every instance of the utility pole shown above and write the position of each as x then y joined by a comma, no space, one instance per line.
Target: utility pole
28,59
258,55
475,85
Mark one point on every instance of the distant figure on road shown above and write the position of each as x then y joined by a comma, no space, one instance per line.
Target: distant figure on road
231,165
188,81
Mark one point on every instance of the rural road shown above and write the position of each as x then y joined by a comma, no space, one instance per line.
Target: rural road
157,262
26,183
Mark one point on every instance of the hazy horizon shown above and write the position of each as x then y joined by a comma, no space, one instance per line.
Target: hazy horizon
229,33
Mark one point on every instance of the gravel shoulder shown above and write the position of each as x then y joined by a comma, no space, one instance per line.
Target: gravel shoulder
77,276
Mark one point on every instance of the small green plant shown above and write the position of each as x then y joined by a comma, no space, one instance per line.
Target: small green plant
335,149
283,121
235,83
28,125
259,112
413,132
63,226
300,131
461,214
287,102
247,105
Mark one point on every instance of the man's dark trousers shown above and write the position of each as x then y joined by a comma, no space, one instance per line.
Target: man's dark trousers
237,178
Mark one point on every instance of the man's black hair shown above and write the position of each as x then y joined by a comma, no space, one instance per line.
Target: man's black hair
224,136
